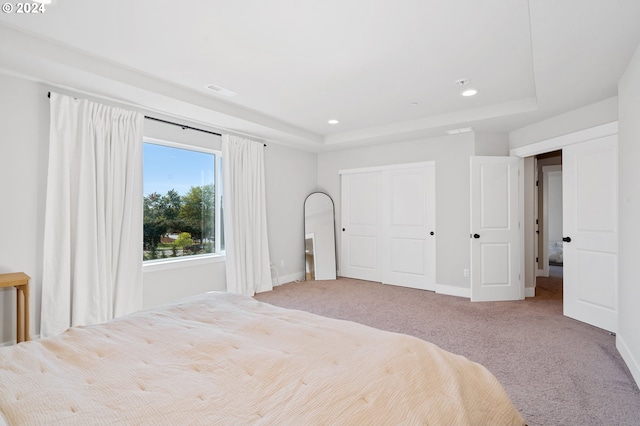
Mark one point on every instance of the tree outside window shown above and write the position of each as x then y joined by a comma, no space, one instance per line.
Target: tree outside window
180,221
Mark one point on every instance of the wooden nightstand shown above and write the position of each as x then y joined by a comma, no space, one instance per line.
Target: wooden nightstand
20,281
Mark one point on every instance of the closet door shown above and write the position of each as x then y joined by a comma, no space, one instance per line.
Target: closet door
360,234
388,225
409,235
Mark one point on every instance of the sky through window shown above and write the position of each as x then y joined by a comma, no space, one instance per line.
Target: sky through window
167,168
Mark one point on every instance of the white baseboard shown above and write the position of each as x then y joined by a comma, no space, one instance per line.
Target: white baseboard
542,272
282,279
629,359
451,290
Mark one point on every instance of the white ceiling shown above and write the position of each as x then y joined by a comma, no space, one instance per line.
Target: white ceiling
295,64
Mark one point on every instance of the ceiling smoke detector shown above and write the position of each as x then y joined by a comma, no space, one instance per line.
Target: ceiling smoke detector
220,90
462,82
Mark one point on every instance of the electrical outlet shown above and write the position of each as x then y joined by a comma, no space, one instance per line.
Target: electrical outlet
465,273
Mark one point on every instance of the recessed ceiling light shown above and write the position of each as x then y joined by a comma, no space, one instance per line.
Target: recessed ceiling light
414,104
220,90
333,121
469,92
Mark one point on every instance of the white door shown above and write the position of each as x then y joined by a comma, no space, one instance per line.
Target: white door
590,225
360,222
408,251
495,233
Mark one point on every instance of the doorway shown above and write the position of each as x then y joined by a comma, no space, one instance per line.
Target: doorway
549,233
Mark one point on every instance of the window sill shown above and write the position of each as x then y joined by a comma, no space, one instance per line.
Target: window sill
182,262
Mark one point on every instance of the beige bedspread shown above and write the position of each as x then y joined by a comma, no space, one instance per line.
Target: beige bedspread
226,359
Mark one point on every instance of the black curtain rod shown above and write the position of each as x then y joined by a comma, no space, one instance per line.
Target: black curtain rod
184,126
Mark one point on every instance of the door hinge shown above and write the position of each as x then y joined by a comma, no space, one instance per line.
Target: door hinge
537,260
536,221
536,183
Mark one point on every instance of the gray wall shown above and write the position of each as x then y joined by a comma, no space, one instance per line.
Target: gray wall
290,178
24,136
554,209
491,144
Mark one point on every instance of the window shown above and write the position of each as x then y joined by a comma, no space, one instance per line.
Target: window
182,201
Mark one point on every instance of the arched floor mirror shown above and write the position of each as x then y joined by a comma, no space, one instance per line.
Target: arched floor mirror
319,237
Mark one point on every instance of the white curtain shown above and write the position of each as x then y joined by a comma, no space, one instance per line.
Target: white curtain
245,216
92,268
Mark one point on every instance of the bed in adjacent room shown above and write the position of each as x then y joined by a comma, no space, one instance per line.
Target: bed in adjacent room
222,358
555,253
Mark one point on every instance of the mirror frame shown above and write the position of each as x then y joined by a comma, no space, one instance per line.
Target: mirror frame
333,233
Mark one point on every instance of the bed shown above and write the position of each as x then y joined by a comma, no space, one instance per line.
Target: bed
227,359
555,253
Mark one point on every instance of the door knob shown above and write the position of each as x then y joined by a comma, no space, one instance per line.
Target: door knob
431,233
476,236
566,239
343,229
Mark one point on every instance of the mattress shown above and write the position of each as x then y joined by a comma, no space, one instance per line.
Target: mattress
219,359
